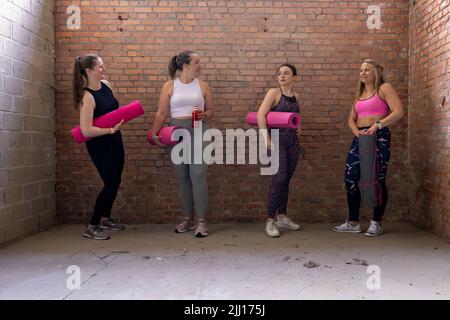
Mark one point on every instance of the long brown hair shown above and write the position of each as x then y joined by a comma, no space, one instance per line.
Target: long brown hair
80,78
177,62
379,78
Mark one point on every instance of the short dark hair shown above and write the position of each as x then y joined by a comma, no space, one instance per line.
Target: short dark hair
290,66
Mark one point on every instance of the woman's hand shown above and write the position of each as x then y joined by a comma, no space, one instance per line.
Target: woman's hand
203,116
372,130
298,131
155,139
116,127
358,133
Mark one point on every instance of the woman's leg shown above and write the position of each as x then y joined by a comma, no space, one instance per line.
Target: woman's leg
383,156
102,155
352,176
292,153
199,183
278,186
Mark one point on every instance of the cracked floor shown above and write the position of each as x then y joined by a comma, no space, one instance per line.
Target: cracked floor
237,261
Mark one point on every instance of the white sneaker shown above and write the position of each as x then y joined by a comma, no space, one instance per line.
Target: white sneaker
271,229
375,229
347,227
286,223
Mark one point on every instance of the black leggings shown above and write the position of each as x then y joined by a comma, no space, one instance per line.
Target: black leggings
108,156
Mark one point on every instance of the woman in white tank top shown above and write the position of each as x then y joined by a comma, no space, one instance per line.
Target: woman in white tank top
178,98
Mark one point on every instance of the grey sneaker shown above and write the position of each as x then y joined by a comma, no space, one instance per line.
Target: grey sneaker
202,229
184,226
347,227
94,232
110,224
375,229
287,224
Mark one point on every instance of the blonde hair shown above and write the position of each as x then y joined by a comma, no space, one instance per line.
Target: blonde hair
379,78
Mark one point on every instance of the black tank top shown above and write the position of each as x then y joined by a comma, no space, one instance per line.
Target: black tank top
104,100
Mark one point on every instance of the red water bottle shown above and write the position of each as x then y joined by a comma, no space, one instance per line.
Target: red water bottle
195,117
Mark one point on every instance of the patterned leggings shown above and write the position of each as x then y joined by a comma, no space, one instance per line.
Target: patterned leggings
279,191
352,175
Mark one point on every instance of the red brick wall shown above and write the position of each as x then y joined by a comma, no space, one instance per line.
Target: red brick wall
240,43
429,127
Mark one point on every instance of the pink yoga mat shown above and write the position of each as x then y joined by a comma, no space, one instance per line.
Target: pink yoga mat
164,136
109,120
276,119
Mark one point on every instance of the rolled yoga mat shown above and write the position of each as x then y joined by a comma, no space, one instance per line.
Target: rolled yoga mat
276,119
370,189
165,135
109,120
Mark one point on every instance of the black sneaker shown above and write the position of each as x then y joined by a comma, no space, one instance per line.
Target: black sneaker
110,224
94,232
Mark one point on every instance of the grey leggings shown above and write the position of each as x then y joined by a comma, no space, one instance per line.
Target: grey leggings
193,178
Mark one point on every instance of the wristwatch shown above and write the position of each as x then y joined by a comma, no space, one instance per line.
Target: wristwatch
379,125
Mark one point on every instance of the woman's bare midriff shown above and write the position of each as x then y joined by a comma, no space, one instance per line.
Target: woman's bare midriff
368,121
181,118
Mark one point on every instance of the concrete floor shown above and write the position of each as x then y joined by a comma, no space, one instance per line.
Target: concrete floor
237,261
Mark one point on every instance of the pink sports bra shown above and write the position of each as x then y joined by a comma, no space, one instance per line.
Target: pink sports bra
371,106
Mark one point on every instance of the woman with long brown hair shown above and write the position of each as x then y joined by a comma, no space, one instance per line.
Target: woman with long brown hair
93,97
178,97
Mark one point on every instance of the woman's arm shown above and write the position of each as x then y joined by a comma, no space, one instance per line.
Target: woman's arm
299,129
352,118
264,108
209,106
163,110
395,105
86,119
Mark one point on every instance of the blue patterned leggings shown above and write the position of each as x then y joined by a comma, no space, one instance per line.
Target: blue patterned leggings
352,175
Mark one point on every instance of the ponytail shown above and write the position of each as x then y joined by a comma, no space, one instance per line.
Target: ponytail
173,67
80,79
177,62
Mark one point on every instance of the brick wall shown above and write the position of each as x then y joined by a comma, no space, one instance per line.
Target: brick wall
240,43
27,142
429,127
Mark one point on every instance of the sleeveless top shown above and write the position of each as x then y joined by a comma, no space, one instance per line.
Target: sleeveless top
287,104
104,100
185,97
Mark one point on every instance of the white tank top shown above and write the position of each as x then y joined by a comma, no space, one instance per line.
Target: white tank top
185,97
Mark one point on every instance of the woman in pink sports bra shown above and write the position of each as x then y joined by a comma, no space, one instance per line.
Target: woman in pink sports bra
376,107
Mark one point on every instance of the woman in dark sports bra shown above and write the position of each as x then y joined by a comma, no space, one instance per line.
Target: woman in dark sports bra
93,97
282,99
